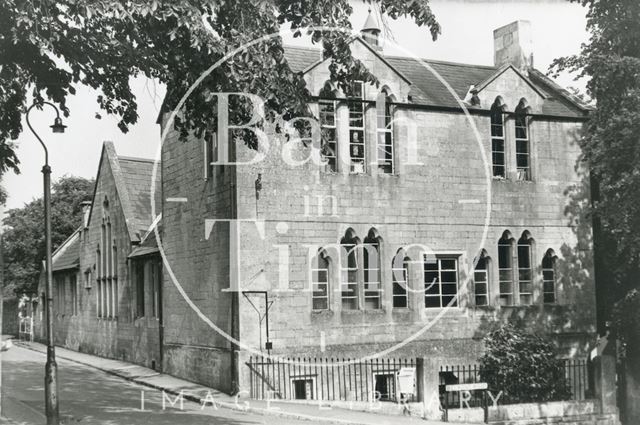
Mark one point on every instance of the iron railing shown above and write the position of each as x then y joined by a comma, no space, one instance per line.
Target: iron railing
575,372
328,379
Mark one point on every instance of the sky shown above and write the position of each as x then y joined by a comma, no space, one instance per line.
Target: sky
558,28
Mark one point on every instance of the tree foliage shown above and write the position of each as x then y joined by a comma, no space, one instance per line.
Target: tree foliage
611,141
47,48
523,366
23,239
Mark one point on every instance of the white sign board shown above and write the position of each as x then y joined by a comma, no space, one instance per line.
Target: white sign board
406,380
467,387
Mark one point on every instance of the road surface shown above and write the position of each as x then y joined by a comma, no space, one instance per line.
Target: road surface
90,396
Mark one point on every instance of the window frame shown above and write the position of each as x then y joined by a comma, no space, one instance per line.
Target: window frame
485,261
315,270
497,110
506,298
371,294
351,101
332,160
439,258
521,126
551,258
386,118
525,243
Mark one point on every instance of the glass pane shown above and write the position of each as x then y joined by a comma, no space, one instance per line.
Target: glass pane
524,274
449,289
480,288
431,289
497,145
504,256
431,302
548,286
505,288
449,277
549,298
526,299
448,264
449,301
524,260
480,276
320,304
506,275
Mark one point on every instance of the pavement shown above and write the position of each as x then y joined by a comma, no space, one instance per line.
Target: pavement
110,382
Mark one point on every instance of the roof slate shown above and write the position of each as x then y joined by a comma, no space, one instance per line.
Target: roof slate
137,176
67,256
427,89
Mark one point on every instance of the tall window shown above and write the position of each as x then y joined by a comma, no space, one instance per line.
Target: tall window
320,282
523,151
329,141
59,302
99,289
481,280
505,269
371,260
349,271
497,139
549,277
400,275
140,284
525,274
440,282
210,147
73,293
107,293
385,133
355,104
156,287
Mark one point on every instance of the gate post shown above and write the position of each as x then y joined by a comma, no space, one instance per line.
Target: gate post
428,382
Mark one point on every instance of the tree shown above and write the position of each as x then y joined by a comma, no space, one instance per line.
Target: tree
49,47
611,140
23,238
523,366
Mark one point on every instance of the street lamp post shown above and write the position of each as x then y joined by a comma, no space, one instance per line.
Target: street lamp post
51,368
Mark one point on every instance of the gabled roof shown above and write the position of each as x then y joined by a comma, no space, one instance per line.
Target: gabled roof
67,255
480,86
371,49
132,177
148,246
427,89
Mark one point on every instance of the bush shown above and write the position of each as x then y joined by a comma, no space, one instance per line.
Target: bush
524,367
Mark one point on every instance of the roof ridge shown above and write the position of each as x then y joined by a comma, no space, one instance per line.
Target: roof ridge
286,46
442,62
136,158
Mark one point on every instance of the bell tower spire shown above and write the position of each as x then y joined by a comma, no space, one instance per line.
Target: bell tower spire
371,32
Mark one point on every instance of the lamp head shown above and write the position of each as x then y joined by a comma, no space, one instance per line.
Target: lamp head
57,126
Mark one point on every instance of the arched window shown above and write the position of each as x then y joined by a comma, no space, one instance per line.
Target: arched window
525,273
549,277
481,279
355,104
385,150
371,263
523,148
107,291
320,281
349,271
497,139
400,276
505,268
328,124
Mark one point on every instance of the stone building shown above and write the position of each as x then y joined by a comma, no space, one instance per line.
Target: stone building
441,207
106,275
429,195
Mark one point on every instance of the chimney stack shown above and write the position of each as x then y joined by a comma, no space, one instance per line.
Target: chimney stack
86,207
513,44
